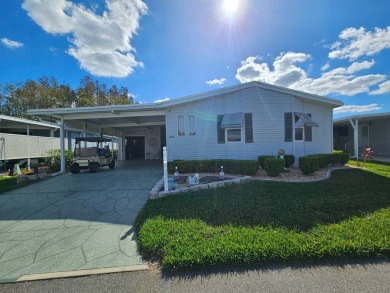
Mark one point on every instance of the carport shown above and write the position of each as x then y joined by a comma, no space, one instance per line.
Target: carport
140,128
356,132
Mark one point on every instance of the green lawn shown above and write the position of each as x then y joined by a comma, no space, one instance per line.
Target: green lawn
347,215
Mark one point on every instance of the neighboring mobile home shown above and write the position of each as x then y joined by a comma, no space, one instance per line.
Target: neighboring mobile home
22,140
354,133
237,122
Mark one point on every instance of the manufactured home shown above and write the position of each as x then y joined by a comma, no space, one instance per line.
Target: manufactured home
24,140
237,122
354,133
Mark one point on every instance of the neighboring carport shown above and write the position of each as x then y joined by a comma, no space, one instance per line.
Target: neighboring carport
135,120
356,132
26,139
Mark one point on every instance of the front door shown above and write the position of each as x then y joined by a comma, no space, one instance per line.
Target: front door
135,147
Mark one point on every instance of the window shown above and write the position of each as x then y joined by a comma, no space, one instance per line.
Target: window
235,127
298,125
299,130
180,126
233,135
191,125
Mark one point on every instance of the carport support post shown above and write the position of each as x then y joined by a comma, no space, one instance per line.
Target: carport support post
355,127
62,146
165,160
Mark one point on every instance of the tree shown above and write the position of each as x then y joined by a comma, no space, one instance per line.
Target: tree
47,92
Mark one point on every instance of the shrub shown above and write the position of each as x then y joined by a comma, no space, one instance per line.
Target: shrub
246,167
341,158
261,159
274,166
309,164
289,160
331,159
53,159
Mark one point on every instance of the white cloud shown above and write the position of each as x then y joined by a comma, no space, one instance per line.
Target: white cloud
325,66
384,88
359,42
286,73
162,101
216,81
356,109
11,44
100,43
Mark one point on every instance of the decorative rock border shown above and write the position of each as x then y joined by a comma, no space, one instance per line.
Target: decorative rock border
33,177
156,193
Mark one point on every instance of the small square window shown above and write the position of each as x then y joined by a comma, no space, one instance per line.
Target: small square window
299,133
180,126
233,135
191,125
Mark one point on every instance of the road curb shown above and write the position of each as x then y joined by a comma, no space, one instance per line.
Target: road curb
80,273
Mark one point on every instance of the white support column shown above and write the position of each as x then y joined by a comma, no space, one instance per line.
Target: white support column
62,146
355,127
62,149
165,160
120,149
85,134
28,147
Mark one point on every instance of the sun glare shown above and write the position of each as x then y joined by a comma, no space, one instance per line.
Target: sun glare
230,6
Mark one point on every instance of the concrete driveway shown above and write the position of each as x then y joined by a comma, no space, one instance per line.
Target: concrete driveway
77,224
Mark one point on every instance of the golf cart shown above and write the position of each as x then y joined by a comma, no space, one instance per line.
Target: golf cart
91,158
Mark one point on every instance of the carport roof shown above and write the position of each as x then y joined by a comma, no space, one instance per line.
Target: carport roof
14,122
362,117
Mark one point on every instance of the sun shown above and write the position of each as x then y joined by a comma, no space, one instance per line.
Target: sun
230,7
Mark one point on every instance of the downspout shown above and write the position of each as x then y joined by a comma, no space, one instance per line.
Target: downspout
62,149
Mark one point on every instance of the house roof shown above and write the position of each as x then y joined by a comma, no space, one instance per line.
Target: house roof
115,109
122,117
362,117
9,122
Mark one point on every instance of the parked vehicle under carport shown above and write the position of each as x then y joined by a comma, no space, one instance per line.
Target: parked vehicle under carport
92,158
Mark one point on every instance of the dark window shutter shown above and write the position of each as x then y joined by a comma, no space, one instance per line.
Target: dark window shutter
288,127
308,132
248,128
220,130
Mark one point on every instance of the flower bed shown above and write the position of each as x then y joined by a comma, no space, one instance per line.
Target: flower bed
206,181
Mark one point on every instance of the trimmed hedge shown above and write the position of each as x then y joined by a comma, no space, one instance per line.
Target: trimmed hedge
311,163
289,160
274,166
261,159
246,167
308,165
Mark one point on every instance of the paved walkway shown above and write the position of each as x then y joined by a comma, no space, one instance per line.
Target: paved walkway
74,222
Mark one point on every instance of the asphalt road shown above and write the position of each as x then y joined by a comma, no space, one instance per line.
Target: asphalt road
341,276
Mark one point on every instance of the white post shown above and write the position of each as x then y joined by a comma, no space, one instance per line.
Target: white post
62,146
28,147
355,127
165,168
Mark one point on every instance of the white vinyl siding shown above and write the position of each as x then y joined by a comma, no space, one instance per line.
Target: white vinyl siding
267,108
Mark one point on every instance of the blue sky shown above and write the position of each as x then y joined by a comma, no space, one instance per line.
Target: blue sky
163,49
